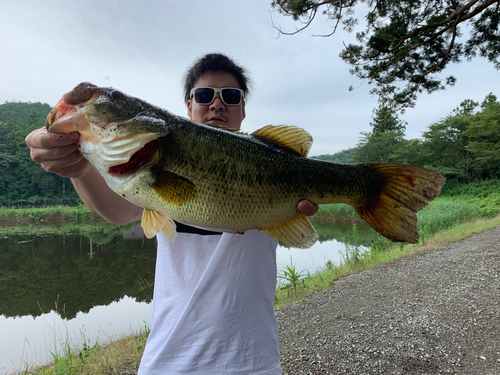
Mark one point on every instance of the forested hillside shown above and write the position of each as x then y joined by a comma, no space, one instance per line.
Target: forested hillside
20,177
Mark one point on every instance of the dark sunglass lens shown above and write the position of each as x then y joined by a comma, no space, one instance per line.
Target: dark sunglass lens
231,96
204,95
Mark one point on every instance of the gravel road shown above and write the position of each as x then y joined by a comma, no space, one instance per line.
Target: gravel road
438,312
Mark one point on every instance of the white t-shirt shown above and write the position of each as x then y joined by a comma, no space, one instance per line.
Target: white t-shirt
213,306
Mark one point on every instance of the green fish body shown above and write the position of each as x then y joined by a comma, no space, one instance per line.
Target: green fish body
224,180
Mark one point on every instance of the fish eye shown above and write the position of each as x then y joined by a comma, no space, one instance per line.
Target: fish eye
116,94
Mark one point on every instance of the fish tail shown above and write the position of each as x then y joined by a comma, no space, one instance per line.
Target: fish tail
406,190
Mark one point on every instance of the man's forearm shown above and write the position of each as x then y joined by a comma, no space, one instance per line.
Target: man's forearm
97,196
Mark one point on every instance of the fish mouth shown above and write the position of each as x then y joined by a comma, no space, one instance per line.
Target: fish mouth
114,135
67,115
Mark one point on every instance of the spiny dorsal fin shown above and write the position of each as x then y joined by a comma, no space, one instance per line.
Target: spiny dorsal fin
291,137
173,188
153,221
296,232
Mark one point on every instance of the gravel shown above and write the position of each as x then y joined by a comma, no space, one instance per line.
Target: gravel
435,313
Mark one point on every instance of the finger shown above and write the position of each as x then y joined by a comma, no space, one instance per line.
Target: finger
74,165
307,207
77,170
41,138
42,155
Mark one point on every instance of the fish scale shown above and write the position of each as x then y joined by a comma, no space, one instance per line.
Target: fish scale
225,180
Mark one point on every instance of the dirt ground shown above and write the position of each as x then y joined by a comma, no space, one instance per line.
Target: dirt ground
438,312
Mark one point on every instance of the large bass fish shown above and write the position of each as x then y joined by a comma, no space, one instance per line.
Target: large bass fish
224,180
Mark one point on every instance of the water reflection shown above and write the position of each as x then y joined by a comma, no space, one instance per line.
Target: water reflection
72,283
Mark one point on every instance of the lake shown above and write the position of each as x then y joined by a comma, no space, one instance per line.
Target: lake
70,284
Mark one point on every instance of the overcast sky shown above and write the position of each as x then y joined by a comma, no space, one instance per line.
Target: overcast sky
143,47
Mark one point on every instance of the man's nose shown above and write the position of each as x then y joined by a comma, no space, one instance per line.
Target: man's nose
217,104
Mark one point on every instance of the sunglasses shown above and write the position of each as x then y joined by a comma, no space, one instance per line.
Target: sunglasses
206,95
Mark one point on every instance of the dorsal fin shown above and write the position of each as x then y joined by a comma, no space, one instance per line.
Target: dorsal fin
291,137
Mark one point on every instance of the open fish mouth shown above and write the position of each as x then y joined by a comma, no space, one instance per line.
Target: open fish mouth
67,115
115,142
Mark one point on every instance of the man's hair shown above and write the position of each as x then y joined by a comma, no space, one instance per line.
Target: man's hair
213,63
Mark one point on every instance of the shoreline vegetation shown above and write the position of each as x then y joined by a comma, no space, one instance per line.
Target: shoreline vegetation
461,211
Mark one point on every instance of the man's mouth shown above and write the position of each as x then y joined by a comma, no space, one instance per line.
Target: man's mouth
216,120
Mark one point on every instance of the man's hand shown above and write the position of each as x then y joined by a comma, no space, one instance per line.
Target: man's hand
58,153
308,208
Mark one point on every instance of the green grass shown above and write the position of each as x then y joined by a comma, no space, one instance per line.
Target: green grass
91,359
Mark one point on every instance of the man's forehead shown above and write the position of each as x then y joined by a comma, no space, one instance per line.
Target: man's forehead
219,78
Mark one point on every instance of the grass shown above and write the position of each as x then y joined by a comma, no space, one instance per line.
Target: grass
90,359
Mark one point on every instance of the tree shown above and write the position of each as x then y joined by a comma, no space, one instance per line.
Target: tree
445,147
406,44
378,147
385,119
484,134
386,139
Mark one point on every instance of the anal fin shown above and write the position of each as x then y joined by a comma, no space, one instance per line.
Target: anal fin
153,221
296,232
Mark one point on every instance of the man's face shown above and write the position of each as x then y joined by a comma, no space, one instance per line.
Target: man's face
217,113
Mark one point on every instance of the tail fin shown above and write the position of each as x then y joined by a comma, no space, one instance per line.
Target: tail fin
406,191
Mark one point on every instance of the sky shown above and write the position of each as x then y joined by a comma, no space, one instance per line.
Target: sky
144,47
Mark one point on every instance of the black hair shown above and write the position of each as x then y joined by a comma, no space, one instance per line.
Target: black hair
214,62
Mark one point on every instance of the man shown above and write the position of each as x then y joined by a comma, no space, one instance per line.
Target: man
213,304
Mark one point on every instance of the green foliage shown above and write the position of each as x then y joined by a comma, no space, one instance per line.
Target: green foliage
385,143
385,120
465,145
21,177
406,45
293,278
484,134
445,213
344,157
379,147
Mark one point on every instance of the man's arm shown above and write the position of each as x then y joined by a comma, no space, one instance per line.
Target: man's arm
58,153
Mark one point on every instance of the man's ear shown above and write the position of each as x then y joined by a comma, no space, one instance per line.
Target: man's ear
190,113
243,114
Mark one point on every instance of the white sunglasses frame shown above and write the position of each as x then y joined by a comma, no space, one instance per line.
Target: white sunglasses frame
217,91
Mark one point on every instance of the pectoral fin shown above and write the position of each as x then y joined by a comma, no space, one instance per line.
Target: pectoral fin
296,232
153,221
173,188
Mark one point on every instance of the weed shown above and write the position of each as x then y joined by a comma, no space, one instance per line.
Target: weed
293,277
